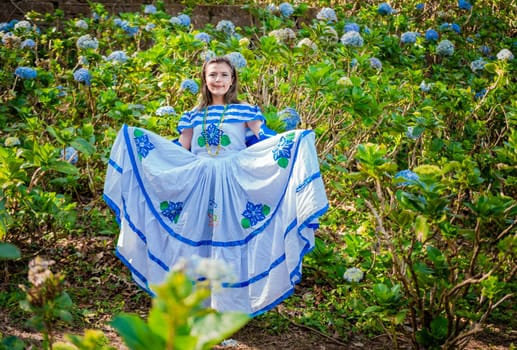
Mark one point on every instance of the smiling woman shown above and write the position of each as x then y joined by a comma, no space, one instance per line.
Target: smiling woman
229,190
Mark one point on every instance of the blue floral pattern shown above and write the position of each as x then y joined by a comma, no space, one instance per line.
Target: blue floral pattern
253,214
143,145
171,210
283,148
212,135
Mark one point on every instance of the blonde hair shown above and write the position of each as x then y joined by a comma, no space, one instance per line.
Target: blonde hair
205,99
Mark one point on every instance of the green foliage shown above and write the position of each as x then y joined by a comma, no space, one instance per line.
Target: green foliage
178,320
436,250
46,299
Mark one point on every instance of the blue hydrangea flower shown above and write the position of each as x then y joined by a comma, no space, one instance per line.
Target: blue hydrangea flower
125,26
431,35
271,8
226,27
505,55
477,65
327,14
354,62
26,73
352,39
5,26
456,27
237,59
203,37
117,57
207,55
444,26
352,27
149,27
184,19
189,85
375,63
150,9
82,75
286,9
420,6
87,42
445,48
406,175
62,91
464,5
408,37
290,117
70,155
485,50
143,144
385,9
353,274
254,213
165,110
81,24
283,148
480,94
366,30
28,44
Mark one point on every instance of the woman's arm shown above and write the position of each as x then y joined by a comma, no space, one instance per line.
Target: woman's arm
186,138
254,126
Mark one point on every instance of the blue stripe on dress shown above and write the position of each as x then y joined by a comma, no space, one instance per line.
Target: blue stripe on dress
115,165
307,181
235,113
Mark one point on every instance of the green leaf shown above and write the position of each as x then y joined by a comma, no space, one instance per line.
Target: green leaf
83,146
136,334
215,327
65,167
421,228
265,210
9,251
490,68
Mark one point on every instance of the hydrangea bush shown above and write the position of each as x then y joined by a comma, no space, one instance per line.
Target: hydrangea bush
414,118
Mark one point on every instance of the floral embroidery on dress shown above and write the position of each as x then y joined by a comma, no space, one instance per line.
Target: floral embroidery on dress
212,216
282,151
213,136
171,210
143,145
254,213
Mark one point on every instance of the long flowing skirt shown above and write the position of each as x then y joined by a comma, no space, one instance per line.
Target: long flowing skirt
255,209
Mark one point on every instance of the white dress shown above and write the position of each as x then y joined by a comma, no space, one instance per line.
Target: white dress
254,207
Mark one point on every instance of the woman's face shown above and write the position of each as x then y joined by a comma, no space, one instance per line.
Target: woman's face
218,78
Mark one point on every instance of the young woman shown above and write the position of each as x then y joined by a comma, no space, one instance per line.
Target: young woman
210,195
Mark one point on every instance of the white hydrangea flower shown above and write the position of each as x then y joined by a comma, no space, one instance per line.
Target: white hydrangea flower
505,55
353,274
306,42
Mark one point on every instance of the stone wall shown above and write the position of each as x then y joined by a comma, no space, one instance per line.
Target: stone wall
201,15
